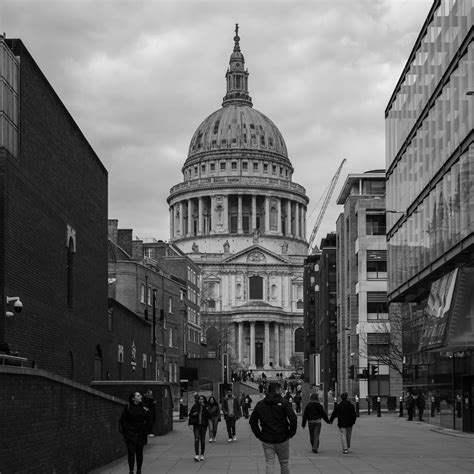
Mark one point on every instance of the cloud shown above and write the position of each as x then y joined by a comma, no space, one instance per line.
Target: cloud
140,76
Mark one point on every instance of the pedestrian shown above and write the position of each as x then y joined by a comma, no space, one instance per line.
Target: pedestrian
297,400
346,418
246,404
313,413
231,410
199,420
274,422
214,418
149,402
420,404
410,404
134,426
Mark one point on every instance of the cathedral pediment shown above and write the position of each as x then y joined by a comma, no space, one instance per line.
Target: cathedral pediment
256,255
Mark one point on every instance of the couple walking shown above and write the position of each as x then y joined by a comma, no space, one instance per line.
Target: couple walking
343,411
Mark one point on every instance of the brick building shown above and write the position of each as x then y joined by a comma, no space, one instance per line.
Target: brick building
53,226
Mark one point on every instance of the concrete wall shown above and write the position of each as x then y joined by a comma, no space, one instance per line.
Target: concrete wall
50,424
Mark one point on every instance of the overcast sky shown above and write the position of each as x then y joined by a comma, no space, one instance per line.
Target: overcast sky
140,76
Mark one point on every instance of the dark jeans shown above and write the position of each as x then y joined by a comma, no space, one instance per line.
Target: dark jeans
245,409
199,438
230,422
314,432
134,450
213,421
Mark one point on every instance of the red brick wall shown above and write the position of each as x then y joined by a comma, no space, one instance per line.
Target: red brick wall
49,424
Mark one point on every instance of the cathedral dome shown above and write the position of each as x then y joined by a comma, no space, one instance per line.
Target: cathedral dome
237,126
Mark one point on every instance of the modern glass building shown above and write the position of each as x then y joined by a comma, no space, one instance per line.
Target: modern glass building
430,211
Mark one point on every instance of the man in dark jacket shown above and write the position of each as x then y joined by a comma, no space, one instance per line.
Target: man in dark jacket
313,413
273,422
346,417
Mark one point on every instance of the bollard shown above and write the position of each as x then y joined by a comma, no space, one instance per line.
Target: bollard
368,404
379,407
357,406
401,408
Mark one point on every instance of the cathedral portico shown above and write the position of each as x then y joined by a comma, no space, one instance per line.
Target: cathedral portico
238,214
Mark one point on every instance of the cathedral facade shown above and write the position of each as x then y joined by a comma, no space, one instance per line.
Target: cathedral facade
242,219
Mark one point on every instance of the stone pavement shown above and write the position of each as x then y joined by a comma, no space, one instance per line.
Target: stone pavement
388,444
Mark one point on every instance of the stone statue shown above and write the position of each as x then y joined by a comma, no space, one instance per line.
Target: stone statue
284,247
195,247
226,246
256,235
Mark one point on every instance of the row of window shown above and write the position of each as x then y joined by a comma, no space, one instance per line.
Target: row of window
194,336
223,166
146,296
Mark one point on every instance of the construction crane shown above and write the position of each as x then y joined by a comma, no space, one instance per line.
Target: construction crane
327,197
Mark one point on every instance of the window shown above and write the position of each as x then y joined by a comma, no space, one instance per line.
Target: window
148,296
149,252
203,168
120,353
181,295
274,168
170,337
170,304
255,166
299,340
375,224
273,218
377,305
212,166
256,288
376,264
265,166
222,165
195,170
245,165
233,165
70,274
142,293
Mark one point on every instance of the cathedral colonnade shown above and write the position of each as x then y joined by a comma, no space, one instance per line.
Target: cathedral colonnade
263,344
237,214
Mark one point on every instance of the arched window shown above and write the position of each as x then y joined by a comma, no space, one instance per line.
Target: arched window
299,340
273,218
70,273
212,339
238,290
274,292
98,363
256,288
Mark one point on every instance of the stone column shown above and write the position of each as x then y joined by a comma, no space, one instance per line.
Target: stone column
240,330
266,353
171,222
279,215
200,216
190,217
288,218
277,345
182,232
226,213
254,213
239,215
297,220
252,345
288,345
267,214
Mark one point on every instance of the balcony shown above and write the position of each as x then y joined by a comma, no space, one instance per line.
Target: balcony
226,181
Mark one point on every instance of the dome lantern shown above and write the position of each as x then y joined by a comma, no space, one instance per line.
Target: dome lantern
237,77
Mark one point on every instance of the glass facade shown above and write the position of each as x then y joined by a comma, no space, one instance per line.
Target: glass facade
9,104
430,155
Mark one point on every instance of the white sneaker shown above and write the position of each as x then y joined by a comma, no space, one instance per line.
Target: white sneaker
229,440
196,458
234,438
210,440
201,458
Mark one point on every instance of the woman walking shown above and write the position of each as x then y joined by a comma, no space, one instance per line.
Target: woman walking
214,418
199,419
313,413
134,425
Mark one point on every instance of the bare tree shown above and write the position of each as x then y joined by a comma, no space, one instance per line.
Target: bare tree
384,342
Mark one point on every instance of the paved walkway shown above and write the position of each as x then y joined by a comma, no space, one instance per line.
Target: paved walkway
388,444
